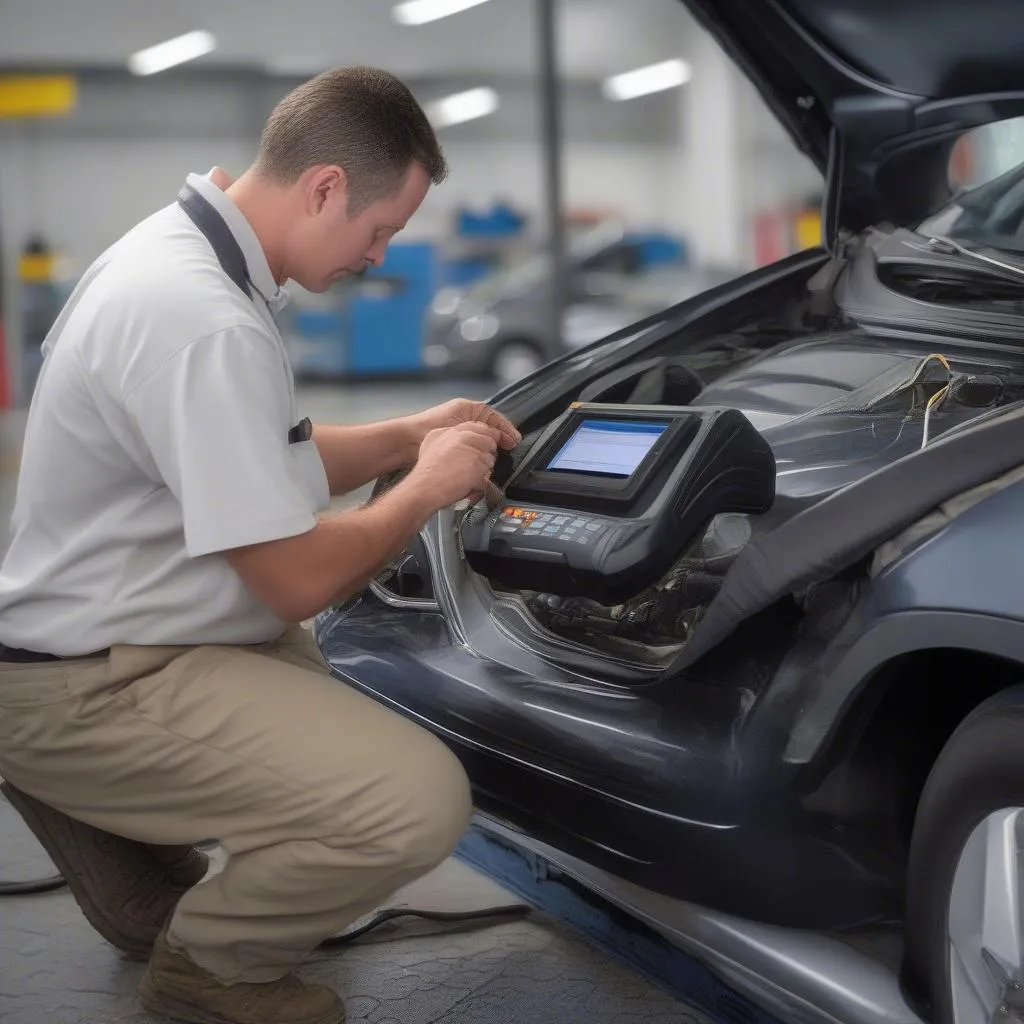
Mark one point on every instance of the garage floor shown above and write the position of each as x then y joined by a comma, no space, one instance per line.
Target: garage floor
54,968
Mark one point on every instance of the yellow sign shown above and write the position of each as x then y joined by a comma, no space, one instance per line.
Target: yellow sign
808,229
37,268
37,95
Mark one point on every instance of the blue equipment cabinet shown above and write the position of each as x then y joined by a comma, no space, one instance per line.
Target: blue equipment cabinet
316,340
385,313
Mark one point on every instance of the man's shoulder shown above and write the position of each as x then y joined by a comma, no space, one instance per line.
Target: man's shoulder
160,286
152,295
164,265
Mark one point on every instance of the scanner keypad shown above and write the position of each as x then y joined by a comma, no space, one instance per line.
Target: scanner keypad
569,529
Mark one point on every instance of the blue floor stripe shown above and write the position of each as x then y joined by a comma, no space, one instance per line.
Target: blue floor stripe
614,931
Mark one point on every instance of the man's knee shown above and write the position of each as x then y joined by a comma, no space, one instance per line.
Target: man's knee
435,808
418,805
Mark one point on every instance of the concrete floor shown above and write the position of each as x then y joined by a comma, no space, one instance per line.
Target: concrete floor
54,968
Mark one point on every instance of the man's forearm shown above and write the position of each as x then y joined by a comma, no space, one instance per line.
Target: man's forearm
355,455
357,544
298,577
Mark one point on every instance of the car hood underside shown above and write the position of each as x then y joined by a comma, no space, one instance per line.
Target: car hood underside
877,92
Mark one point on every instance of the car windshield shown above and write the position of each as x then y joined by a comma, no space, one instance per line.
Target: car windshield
986,174
523,277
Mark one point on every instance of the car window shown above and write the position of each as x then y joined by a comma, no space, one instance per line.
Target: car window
523,277
616,259
986,177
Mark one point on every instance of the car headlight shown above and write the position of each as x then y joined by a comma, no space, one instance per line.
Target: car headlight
481,327
446,302
436,356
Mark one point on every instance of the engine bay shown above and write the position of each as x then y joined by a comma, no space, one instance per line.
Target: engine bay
833,408
832,398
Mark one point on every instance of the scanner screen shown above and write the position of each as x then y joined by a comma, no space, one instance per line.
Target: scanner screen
608,447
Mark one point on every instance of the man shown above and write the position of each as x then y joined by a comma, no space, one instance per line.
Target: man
168,538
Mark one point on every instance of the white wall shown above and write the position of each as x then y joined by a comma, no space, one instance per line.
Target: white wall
700,160
774,171
83,196
627,181
734,161
86,180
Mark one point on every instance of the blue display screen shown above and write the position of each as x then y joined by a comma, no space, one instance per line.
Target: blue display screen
608,447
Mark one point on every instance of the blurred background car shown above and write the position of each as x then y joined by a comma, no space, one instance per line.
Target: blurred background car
501,327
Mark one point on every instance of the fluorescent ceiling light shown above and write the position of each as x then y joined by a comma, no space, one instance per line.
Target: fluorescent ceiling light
653,78
462,106
173,51
419,12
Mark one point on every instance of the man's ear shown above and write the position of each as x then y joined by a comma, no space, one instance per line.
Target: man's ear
325,185
221,178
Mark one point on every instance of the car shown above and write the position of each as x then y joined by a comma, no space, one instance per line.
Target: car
776,711
499,327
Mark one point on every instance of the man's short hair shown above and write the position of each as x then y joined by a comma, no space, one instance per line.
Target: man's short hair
361,119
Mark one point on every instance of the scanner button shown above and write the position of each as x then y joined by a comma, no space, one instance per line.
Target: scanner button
551,529
579,522
594,527
560,520
583,540
568,531
507,529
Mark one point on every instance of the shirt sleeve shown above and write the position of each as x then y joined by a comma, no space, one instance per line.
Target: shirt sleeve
215,419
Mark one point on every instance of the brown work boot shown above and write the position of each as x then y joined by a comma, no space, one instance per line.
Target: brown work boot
176,987
184,866
127,890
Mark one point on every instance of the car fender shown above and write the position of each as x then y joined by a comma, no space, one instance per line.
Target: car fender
961,588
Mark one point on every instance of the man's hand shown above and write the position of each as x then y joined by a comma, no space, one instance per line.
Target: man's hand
455,463
464,410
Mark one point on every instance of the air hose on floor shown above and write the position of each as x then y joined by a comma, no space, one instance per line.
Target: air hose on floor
28,888
511,910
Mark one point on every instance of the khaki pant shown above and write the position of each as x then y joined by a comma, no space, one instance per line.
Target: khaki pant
324,801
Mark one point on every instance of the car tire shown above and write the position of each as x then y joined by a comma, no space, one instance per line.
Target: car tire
514,360
964,937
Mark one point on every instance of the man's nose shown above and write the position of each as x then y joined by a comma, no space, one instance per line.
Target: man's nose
375,254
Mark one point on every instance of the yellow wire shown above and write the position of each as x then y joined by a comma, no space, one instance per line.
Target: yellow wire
932,402
924,363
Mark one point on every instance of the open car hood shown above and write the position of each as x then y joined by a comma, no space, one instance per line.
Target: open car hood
876,92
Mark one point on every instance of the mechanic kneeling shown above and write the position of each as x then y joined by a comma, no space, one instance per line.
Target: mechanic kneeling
156,688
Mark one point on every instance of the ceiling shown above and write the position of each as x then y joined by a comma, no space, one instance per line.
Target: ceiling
597,37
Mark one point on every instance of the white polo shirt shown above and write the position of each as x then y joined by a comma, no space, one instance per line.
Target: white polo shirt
157,439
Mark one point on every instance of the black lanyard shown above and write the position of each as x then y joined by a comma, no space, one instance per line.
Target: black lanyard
229,254
225,246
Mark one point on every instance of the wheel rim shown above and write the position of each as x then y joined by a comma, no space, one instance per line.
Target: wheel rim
985,941
515,361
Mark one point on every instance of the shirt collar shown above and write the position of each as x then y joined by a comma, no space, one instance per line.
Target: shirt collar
256,259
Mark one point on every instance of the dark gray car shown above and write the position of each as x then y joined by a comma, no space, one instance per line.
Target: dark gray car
500,328
799,753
